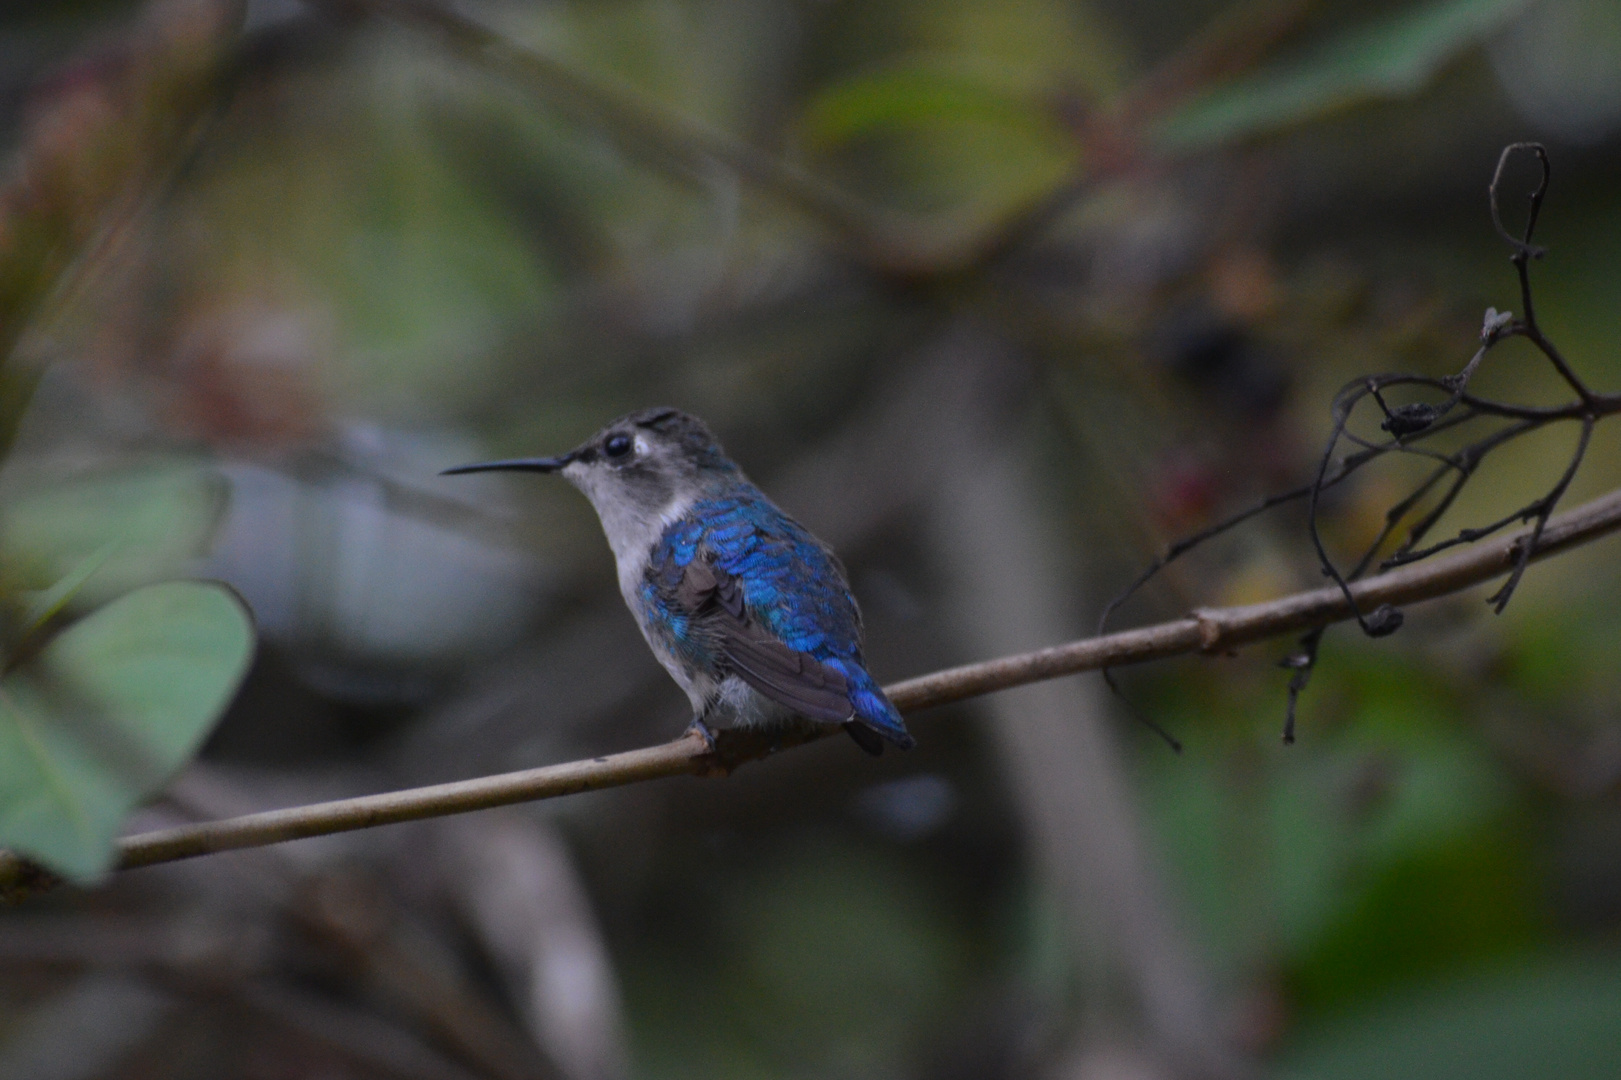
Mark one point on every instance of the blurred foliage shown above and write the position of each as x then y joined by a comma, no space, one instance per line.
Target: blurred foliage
139,524
1387,849
108,710
315,251
1392,58
99,712
787,932
1551,1017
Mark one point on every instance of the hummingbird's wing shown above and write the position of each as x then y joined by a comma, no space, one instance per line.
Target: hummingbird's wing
786,676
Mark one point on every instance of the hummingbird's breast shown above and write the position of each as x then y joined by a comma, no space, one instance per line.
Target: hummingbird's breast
633,538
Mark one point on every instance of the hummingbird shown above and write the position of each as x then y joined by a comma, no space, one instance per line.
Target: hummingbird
750,613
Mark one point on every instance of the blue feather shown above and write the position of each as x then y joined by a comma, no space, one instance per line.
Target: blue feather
792,587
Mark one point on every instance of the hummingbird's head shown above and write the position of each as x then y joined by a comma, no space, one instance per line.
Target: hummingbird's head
636,467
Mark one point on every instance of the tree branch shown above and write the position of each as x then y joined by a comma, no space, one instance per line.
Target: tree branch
1210,630
640,125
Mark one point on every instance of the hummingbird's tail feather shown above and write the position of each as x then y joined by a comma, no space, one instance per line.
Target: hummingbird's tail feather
865,737
873,713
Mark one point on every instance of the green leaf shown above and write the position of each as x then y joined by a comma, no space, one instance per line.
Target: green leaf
106,712
45,604
945,137
158,517
912,96
1394,57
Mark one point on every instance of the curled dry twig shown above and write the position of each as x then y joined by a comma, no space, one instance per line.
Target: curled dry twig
1410,427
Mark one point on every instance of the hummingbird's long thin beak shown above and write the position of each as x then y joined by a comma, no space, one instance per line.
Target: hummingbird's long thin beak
539,464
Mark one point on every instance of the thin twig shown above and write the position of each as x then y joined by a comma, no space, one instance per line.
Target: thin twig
1411,423
1524,251
1467,461
1385,619
1347,466
1541,509
1301,663
1216,630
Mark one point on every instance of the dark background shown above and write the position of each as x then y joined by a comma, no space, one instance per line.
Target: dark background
1007,295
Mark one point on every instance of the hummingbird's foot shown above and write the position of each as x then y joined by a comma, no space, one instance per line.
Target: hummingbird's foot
702,728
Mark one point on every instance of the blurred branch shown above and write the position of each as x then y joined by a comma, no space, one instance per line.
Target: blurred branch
351,917
996,539
888,243
643,126
1210,630
1232,42
103,142
357,1037
378,945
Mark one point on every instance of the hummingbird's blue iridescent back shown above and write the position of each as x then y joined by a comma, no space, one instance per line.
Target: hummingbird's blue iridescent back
748,611
792,591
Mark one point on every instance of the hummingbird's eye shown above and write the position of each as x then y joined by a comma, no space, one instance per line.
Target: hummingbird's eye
617,446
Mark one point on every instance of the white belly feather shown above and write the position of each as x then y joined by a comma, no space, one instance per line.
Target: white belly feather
633,534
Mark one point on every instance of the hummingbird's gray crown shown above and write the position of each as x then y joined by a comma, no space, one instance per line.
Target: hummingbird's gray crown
644,466
674,434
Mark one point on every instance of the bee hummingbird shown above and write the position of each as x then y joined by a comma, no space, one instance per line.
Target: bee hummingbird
747,611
